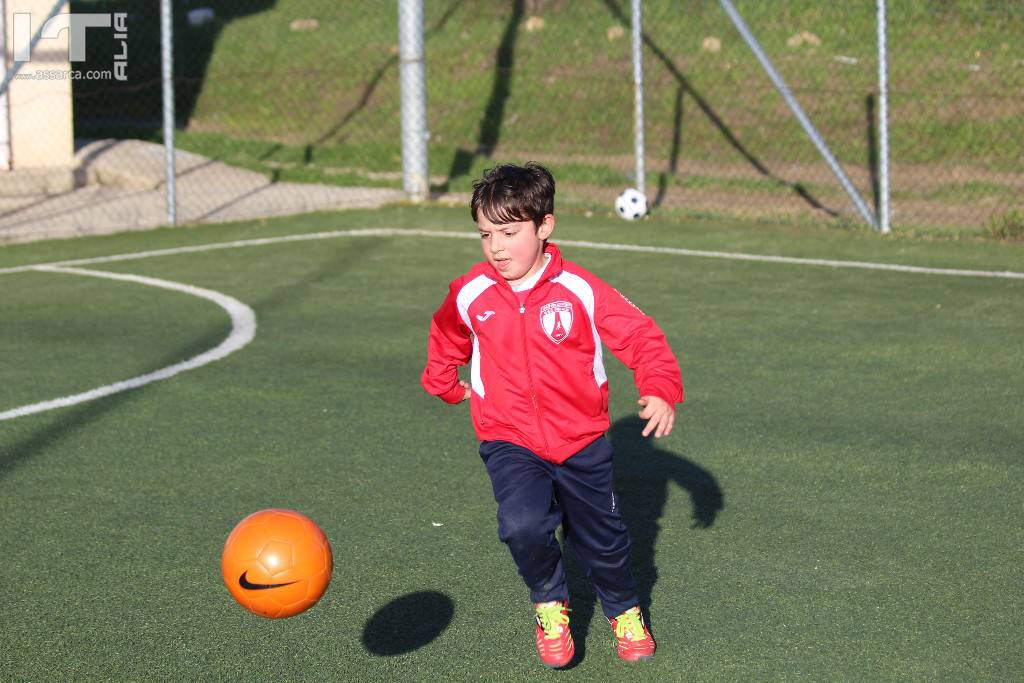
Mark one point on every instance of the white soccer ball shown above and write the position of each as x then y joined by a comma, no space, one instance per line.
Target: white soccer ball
631,204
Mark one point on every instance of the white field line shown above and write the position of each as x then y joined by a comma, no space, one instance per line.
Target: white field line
399,232
243,330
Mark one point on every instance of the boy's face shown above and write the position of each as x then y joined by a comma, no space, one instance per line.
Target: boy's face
516,250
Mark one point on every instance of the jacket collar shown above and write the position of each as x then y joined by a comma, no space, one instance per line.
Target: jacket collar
553,268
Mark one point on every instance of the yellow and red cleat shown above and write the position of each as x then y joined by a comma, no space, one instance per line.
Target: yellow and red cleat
633,641
554,640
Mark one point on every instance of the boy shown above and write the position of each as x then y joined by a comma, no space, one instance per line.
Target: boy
533,326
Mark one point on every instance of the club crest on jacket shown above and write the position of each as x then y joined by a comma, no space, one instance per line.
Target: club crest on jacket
556,320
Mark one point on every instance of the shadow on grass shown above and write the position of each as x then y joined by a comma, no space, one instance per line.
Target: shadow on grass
408,623
643,475
872,144
334,133
132,108
684,86
339,133
493,116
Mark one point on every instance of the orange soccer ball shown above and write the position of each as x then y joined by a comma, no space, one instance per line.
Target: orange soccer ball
276,563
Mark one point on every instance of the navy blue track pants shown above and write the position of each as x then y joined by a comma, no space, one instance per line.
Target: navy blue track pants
535,496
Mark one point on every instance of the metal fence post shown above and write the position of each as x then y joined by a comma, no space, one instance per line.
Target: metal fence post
883,123
167,75
638,87
413,76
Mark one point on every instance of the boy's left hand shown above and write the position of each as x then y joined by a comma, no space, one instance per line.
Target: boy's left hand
660,416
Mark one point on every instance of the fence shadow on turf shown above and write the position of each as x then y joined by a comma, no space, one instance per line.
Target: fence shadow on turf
133,108
408,623
494,114
644,474
683,85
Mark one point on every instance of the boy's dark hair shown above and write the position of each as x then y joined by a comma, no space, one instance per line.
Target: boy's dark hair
510,193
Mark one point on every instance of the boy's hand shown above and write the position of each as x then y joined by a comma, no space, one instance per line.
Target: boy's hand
465,385
659,414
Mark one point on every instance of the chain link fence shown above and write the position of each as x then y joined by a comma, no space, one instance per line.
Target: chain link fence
286,106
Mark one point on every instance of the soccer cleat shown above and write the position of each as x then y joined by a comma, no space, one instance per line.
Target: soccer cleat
633,641
554,640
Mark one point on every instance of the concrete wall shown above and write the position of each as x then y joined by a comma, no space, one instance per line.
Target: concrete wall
40,109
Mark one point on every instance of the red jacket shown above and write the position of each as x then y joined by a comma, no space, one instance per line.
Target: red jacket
538,378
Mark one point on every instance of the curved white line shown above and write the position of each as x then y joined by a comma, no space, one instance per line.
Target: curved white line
244,320
243,330
396,232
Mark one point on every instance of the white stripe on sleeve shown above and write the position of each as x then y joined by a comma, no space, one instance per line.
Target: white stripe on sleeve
466,296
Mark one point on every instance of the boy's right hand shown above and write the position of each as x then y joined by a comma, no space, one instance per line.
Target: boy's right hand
659,415
465,385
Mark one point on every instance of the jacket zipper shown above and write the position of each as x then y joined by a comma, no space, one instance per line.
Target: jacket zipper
529,377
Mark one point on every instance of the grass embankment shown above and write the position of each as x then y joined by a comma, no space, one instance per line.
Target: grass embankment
554,82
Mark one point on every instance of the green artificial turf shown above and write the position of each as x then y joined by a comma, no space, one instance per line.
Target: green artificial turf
840,499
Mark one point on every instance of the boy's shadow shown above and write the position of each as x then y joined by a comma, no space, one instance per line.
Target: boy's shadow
643,474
